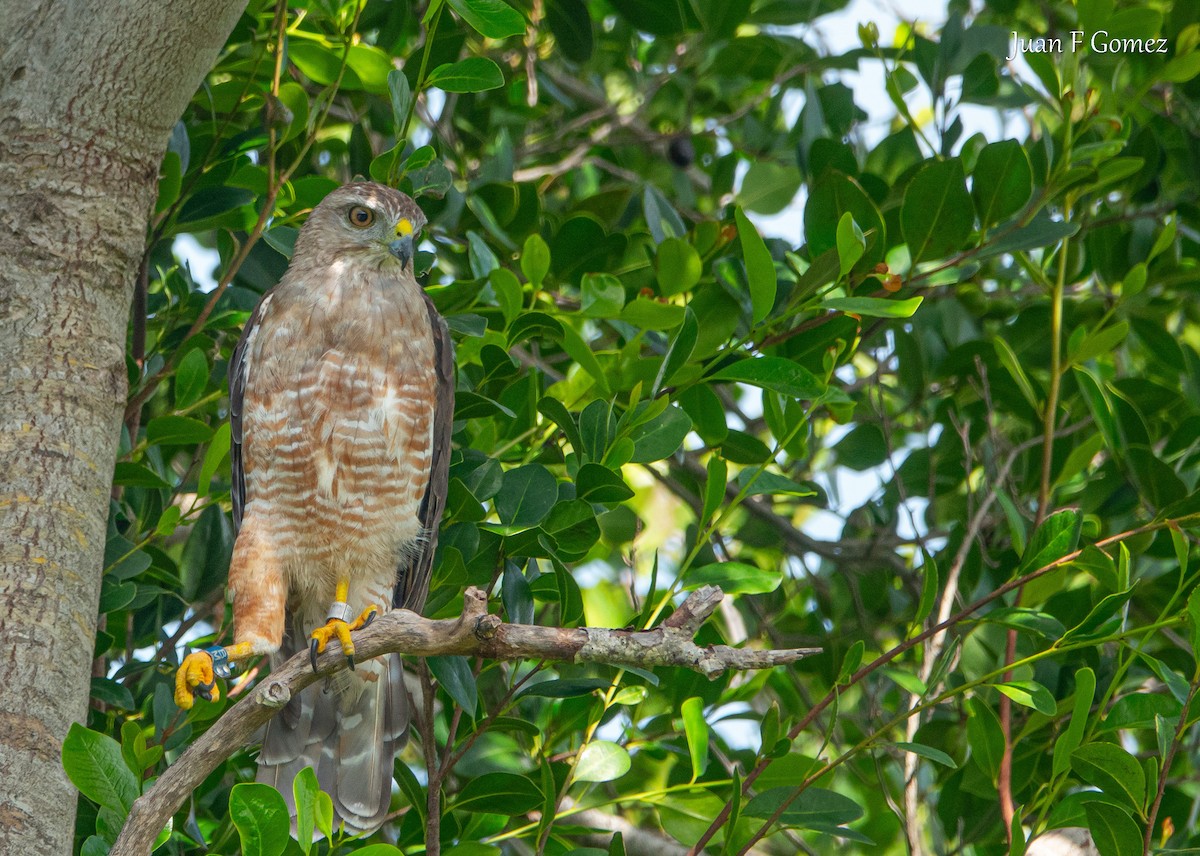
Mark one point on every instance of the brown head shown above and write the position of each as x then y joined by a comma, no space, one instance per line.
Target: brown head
361,221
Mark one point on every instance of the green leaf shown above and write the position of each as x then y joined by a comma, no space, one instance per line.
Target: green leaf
763,483
454,674
429,179
508,293
774,373
630,696
473,74
679,352
282,239
1097,621
1156,480
572,28
714,487
662,219
851,662
564,688
94,764
217,451
874,307
733,578
112,693
927,752
480,257
304,791
696,731
572,524
1112,770
516,595
650,314
324,814
191,378
601,761
400,95
556,411
1056,537
834,195
1114,832
499,793
1182,68
170,179
769,187
1041,232
1193,616
930,581
850,243
1164,735
581,352
114,596
129,474
1068,742
177,431
760,267
984,736
535,260
261,817
1100,342
492,18
603,296
526,495
208,204
1140,710
660,437
1002,182
1030,694
1016,833
814,808
597,483
936,215
906,680
94,846
677,266
1008,359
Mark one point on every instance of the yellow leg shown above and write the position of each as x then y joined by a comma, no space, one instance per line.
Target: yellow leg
198,672
337,627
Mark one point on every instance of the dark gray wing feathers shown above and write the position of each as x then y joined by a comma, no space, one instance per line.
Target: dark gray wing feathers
412,582
237,392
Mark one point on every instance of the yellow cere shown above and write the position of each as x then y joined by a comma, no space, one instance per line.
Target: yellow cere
404,227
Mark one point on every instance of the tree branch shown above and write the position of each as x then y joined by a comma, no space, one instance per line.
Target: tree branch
474,633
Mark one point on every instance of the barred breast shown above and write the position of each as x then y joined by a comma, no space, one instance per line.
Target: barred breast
338,445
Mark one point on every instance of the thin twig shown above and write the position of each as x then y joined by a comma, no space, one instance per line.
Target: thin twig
891,654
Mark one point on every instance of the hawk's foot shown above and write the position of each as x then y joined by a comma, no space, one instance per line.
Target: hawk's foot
197,676
340,629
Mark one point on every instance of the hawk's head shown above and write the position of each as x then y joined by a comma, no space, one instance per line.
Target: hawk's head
366,219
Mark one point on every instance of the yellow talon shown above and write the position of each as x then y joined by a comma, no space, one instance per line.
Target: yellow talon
195,677
339,629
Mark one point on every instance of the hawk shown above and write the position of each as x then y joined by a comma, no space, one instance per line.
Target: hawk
340,403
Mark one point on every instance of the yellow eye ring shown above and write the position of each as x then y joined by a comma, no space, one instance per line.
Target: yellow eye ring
360,216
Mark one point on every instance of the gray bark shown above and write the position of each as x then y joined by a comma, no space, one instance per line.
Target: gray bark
88,95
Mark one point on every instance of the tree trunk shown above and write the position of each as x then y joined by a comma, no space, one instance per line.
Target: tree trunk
88,95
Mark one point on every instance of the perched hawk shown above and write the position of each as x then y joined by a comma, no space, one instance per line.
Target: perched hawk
341,398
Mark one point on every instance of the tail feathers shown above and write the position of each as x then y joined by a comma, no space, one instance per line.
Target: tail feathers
348,729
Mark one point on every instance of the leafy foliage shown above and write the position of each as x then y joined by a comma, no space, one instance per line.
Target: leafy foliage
999,336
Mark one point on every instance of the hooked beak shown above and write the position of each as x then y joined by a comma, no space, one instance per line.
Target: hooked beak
402,248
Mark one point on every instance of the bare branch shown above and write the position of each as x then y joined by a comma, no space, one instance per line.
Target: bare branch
474,633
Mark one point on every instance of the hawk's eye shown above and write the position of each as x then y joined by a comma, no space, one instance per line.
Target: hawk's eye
361,216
